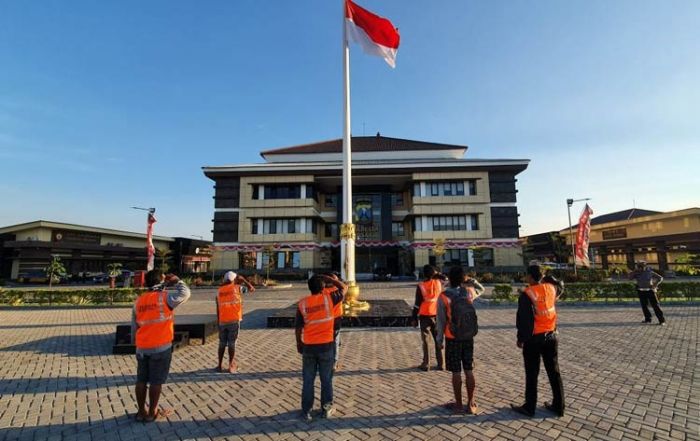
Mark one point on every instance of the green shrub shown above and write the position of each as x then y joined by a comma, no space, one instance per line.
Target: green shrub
486,278
504,292
590,291
97,296
503,278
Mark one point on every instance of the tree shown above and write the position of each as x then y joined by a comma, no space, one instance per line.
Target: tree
269,250
687,264
113,269
164,254
55,270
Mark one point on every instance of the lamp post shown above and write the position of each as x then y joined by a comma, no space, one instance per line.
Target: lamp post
569,203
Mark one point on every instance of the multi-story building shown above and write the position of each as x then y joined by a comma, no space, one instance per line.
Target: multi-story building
408,197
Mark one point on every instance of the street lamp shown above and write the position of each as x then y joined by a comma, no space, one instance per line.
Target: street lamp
569,203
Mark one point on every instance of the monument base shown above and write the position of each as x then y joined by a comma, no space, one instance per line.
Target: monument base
382,313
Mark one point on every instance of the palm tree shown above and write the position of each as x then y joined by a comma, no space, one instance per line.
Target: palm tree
164,254
113,269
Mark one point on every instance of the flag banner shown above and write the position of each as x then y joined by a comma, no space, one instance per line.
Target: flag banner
149,241
582,237
376,35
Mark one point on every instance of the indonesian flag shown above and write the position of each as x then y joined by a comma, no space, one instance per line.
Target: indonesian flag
375,34
149,241
582,237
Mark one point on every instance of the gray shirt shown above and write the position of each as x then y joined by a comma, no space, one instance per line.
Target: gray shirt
647,280
177,295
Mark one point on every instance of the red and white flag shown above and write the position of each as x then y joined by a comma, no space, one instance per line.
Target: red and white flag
376,35
149,241
582,237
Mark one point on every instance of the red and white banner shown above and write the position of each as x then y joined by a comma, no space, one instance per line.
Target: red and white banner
149,241
376,35
582,237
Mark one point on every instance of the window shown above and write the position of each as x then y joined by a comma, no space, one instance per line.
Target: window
283,226
284,191
416,189
397,200
331,200
288,259
247,260
449,188
467,222
472,187
311,192
475,222
331,230
397,229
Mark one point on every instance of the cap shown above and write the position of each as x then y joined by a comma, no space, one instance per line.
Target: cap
230,276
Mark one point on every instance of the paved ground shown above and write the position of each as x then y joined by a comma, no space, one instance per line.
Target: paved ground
623,380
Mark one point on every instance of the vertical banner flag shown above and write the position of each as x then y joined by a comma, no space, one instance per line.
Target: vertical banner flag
582,237
376,35
149,241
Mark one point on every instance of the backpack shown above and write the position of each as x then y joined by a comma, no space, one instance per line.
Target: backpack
463,322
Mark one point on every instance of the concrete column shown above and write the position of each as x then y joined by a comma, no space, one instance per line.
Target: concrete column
662,256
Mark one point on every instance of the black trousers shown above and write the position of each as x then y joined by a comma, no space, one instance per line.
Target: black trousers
647,297
543,346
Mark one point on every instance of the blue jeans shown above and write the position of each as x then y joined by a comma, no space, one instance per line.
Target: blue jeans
336,335
323,364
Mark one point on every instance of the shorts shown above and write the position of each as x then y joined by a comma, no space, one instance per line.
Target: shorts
458,355
228,334
153,368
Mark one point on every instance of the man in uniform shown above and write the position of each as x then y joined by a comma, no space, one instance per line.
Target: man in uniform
314,335
152,330
229,313
537,336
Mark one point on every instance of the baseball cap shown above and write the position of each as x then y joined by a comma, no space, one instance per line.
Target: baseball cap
230,276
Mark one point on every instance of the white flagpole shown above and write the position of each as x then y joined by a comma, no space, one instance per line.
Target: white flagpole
347,247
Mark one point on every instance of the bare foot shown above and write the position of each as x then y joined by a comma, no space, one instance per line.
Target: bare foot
161,413
472,409
233,367
454,408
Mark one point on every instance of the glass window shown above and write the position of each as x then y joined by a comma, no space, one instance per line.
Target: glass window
462,223
434,189
296,259
397,200
447,189
475,221
459,189
417,224
331,200
416,189
256,189
254,226
472,187
397,229
291,226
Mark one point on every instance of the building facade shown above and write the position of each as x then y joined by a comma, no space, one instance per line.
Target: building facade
26,249
628,236
408,197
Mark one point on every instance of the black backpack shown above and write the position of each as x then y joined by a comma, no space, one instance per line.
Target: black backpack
463,321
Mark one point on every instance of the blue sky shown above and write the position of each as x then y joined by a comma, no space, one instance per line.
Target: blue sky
105,105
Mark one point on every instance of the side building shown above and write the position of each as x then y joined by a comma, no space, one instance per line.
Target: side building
26,249
413,203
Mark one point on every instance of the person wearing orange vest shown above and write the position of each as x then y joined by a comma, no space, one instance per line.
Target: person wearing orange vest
338,320
229,313
457,326
425,313
536,321
152,330
314,335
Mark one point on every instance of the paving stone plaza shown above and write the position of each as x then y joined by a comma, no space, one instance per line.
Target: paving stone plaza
622,379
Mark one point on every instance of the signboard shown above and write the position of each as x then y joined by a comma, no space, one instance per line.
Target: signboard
616,233
83,237
363,212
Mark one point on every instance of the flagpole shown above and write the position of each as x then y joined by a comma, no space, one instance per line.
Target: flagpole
347,230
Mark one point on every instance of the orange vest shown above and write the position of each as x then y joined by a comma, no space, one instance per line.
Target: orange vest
448,310
338,307
229,302
317,311
430,289
543,297
154,319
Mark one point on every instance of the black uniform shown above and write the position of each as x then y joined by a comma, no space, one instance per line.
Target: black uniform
538,346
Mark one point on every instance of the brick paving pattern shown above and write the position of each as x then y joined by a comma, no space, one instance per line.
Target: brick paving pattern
623,379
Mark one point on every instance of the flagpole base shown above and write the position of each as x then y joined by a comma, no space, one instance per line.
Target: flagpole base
352,302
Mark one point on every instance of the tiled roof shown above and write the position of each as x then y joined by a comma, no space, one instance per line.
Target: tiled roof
363,144
622,215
